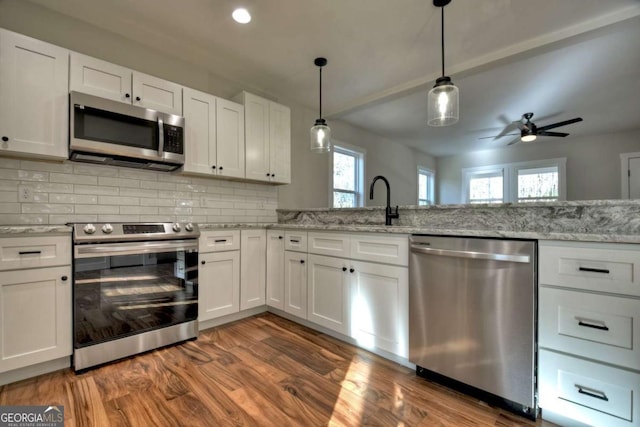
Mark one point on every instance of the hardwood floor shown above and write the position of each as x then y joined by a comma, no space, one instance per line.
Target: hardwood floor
265,371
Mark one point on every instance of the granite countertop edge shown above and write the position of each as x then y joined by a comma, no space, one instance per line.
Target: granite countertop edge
35,229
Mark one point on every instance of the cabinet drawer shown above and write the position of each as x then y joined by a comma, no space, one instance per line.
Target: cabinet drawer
596,326
588,392
219,240
332,244
376,248
295,241
603,267
33,252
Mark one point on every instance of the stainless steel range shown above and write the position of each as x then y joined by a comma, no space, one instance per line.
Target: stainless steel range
135,288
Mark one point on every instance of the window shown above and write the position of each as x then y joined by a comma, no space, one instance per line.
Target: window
542,180
426,185
347,166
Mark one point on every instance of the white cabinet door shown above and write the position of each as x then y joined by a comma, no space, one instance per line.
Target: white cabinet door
379,307
156,94
100,78
280,143
200,132
230,138
34,99
253,257
35,316
295,283
218,284
328,292
275,269
257,137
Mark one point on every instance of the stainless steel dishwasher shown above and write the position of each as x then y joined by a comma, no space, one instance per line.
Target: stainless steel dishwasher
472,317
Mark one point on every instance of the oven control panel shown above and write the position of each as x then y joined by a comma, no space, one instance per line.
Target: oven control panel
134,231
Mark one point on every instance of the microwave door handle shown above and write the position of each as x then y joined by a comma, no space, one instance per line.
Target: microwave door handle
160,137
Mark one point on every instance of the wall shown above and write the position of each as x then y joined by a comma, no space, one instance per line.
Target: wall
77,192
593,164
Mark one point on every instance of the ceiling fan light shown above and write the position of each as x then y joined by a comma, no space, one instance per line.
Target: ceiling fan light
527,137
320,137
443,103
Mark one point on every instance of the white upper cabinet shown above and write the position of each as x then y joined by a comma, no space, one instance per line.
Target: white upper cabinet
214,135
101,78
34,107
267,139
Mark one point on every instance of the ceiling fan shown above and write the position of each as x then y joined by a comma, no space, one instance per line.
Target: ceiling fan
529,131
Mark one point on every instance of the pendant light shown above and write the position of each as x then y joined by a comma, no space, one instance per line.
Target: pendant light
443,98
320,132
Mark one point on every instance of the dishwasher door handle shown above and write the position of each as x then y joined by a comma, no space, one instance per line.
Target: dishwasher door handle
471,254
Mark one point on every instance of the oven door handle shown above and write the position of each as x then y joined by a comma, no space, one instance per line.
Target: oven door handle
134,248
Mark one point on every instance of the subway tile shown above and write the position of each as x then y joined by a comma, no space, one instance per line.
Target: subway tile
96,209
24,219
137,174
245,205
118,200
167,186
10,208
46,187
219,219
118,182
33,175
75,218
46,208
206,211
188,203
215,203
94,189
199,219
9,163
243,192
10,174
73,179
138,192
97,170
177,179
192,188
139,210
84,199
156,218
46,166
174,211
219,190
245,219
9,196
233,212
118,218
40,197
174,194
156,202
9,185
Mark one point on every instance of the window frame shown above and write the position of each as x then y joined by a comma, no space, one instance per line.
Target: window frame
510,177
360,160
431,179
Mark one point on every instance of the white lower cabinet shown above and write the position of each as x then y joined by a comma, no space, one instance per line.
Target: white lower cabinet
589,339
253,246
35,301
275,269
219,284
328,283
295,283
380,307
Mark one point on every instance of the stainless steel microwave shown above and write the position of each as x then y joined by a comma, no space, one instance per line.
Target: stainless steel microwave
111,132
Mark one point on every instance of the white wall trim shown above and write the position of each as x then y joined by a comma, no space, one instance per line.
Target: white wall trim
624,175
361,169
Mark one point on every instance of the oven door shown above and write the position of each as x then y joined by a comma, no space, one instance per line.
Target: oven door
123,289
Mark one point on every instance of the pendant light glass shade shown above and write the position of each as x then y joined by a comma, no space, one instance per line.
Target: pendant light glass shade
320,137
443,98
320,132
443,103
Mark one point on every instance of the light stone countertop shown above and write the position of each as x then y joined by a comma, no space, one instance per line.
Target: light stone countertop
50,230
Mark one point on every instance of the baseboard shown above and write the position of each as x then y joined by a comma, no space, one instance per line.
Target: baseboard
35,370
212,323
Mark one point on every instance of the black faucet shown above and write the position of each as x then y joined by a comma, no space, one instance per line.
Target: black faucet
388,213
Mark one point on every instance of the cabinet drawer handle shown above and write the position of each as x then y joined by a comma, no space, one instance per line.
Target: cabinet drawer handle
351,270
594,270
64,278
591,325
344,268
5,138
280,237
29,252
294,241
591,392
203,262
126,95
301,261
221,240
138,98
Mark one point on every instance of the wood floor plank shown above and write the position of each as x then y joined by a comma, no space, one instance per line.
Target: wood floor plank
260,371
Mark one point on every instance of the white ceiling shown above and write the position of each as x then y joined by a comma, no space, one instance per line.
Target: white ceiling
559,59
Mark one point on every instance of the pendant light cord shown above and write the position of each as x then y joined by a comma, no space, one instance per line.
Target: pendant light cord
320,92
442,40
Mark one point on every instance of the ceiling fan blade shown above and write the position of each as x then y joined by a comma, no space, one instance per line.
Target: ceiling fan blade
506,131
545,133
515,141
557,125
497,136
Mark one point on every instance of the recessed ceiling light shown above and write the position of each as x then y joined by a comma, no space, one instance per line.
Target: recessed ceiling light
241,16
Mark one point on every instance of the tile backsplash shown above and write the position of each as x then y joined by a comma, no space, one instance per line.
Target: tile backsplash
39,192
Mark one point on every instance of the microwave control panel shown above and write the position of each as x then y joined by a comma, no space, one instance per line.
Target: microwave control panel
173,139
